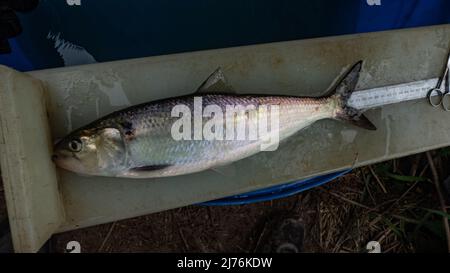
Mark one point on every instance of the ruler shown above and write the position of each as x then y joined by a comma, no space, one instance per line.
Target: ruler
376,97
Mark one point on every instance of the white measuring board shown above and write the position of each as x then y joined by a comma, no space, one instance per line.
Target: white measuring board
376,97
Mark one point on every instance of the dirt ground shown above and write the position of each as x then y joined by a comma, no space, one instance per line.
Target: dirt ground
394,203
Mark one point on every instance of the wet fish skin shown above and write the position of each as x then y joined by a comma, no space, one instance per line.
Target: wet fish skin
137,142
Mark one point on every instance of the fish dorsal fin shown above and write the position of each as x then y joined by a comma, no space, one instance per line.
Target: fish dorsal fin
216,83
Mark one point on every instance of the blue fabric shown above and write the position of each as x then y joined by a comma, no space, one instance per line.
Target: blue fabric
396,14
16,58
276,192
115,29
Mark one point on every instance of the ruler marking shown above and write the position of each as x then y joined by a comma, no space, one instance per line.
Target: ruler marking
376,97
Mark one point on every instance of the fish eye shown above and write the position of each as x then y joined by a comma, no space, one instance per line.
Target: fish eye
75,145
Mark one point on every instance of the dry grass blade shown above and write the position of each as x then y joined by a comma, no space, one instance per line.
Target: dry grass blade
383,188
415,165
105,240
186,246
440,196
261,235
351,201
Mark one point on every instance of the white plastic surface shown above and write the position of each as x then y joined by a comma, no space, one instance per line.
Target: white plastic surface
34,203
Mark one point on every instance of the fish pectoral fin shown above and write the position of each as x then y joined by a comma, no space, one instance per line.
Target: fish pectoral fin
150,168
216,83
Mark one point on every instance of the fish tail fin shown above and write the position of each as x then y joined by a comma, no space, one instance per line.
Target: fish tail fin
341,94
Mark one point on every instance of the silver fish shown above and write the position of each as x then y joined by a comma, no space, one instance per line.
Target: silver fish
138,142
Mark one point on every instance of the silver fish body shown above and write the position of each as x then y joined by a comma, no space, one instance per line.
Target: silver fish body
139,142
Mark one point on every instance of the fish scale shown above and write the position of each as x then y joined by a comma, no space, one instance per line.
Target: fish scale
153,145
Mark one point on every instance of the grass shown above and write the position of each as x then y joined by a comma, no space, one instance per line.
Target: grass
394,203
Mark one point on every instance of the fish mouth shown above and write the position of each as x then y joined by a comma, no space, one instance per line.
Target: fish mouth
66,163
